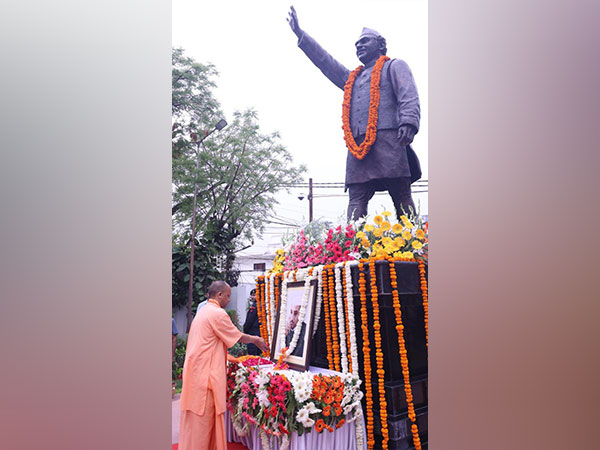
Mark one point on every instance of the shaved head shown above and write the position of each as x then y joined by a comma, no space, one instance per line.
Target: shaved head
216,287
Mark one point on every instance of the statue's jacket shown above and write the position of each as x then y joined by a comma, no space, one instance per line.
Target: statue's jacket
398,105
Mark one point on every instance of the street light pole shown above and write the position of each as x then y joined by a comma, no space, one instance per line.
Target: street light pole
219,126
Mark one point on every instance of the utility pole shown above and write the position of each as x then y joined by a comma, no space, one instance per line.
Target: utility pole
310,200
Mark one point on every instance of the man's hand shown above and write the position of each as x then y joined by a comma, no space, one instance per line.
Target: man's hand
406,134
293,21
261,344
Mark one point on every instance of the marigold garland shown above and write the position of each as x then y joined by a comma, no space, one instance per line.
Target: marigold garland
425,300
264,310
362,283
260,310
334,323
361,151
379,354
404,356
327,322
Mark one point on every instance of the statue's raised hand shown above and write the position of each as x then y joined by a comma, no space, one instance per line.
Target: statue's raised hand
293,21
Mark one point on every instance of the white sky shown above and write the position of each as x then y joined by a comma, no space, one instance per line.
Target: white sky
260,66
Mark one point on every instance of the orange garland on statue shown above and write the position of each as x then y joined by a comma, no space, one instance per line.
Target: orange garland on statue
361,151
362,289
334,322
379,354
345,300
404,356
425,299
268,304
326,319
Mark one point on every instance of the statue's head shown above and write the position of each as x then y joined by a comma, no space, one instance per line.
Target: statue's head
370,46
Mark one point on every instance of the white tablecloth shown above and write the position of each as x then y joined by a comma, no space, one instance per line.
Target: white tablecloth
344,438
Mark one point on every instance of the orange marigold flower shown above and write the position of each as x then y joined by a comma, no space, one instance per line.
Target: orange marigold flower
378,220
397,228
420,234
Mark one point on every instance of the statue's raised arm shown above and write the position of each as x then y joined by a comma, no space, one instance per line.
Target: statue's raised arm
293,21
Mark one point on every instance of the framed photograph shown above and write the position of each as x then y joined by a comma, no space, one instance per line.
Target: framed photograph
290,322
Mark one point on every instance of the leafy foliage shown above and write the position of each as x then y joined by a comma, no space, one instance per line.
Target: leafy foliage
235,172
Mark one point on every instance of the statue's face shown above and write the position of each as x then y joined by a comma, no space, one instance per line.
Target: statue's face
368,49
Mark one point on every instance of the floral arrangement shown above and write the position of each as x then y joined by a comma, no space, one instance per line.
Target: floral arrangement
317,244
251,360
281,402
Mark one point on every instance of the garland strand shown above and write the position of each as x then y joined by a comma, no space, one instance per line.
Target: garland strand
334,324
404,357
379,354
361,151
351,319
319,270
366,354
425,300
345,302
327,322
340,317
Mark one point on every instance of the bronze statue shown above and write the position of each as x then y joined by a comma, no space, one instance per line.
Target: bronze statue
378,134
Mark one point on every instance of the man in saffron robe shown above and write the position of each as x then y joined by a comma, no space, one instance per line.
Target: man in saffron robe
203,395
391,164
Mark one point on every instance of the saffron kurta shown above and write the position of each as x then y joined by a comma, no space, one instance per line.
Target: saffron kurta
204,371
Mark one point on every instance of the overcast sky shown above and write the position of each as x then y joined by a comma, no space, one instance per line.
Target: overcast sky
261,67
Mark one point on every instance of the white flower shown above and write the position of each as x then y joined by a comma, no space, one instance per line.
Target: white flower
312,408
302,394
263,398
261,379
303,417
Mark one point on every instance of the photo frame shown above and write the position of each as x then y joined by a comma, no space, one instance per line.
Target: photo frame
299,359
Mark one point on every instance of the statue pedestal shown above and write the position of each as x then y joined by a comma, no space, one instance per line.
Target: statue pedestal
411,301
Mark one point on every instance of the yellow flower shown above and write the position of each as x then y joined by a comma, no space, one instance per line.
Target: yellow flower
378,220
397,228
420,234
361,235
406,235
377,247
386,213
386,240
408,255
385,226
378,232
417,245
365,243
399,241
369,227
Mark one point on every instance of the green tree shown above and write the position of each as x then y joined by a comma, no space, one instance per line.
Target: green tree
240,169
